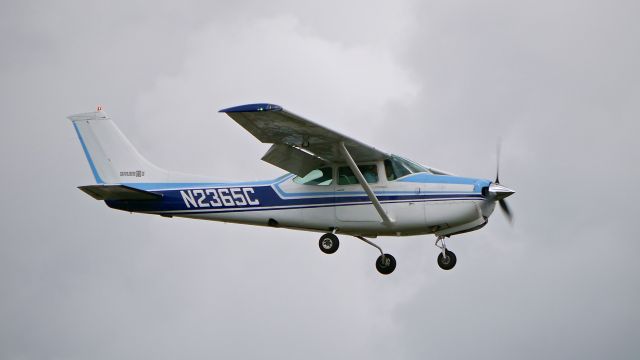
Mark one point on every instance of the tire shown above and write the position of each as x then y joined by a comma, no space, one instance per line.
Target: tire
449,262
329,243
385,264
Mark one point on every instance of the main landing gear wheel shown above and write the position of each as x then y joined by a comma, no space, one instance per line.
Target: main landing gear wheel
447,261
385,264
329,243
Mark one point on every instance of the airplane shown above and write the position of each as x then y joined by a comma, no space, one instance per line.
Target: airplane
334,184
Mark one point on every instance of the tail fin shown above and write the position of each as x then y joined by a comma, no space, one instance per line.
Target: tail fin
111,156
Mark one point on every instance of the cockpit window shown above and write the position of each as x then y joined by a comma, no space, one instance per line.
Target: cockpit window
322,176
397,167
347,177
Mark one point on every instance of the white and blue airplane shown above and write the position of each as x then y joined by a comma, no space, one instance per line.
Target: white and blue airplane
335,185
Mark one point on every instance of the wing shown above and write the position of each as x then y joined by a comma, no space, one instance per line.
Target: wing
300,145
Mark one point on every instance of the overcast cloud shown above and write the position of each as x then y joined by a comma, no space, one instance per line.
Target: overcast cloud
437,81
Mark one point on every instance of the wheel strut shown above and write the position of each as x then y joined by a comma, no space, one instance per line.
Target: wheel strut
372,244
442,246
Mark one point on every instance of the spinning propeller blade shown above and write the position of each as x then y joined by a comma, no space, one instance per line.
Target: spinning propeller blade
506,210
498,192
497,163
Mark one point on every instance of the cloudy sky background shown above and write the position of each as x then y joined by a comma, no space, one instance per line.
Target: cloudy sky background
436,81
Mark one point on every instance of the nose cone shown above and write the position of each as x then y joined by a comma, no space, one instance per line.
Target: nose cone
500,192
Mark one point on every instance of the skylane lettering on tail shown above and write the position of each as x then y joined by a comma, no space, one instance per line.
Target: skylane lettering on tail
137,173
334,185
221,197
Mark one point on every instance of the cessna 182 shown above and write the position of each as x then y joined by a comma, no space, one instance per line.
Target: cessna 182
335,185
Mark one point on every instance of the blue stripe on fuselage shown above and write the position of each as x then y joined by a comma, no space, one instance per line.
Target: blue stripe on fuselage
269,195
174,200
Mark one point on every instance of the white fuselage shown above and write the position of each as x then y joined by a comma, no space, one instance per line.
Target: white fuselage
417,204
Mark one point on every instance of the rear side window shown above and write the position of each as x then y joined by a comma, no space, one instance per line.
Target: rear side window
322,176
347,177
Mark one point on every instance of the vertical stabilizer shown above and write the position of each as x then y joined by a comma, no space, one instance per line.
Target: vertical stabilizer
112,157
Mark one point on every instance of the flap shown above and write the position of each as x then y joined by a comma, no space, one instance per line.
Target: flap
292,159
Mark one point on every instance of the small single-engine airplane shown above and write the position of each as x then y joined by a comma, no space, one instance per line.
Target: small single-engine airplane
334,184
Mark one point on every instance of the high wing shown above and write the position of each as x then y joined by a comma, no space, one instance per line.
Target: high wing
300,145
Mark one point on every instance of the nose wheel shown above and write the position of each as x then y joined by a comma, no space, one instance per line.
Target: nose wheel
446,259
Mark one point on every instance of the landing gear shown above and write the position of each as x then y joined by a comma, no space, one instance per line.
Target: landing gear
447,261
385,264
446,258
329,243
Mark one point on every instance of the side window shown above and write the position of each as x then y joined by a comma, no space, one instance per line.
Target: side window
395,169
346,176
322,176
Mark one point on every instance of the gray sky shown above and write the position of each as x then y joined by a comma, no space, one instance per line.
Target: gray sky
436,81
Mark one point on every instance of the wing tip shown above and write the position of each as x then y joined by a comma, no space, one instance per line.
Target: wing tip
252,108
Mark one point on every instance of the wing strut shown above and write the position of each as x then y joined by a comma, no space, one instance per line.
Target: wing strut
376,203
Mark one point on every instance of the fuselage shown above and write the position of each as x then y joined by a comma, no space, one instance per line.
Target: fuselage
419,202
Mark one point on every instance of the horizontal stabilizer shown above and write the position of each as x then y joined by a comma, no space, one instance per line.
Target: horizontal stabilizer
118,192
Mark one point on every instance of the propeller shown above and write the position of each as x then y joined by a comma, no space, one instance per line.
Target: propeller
506,210
498,193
